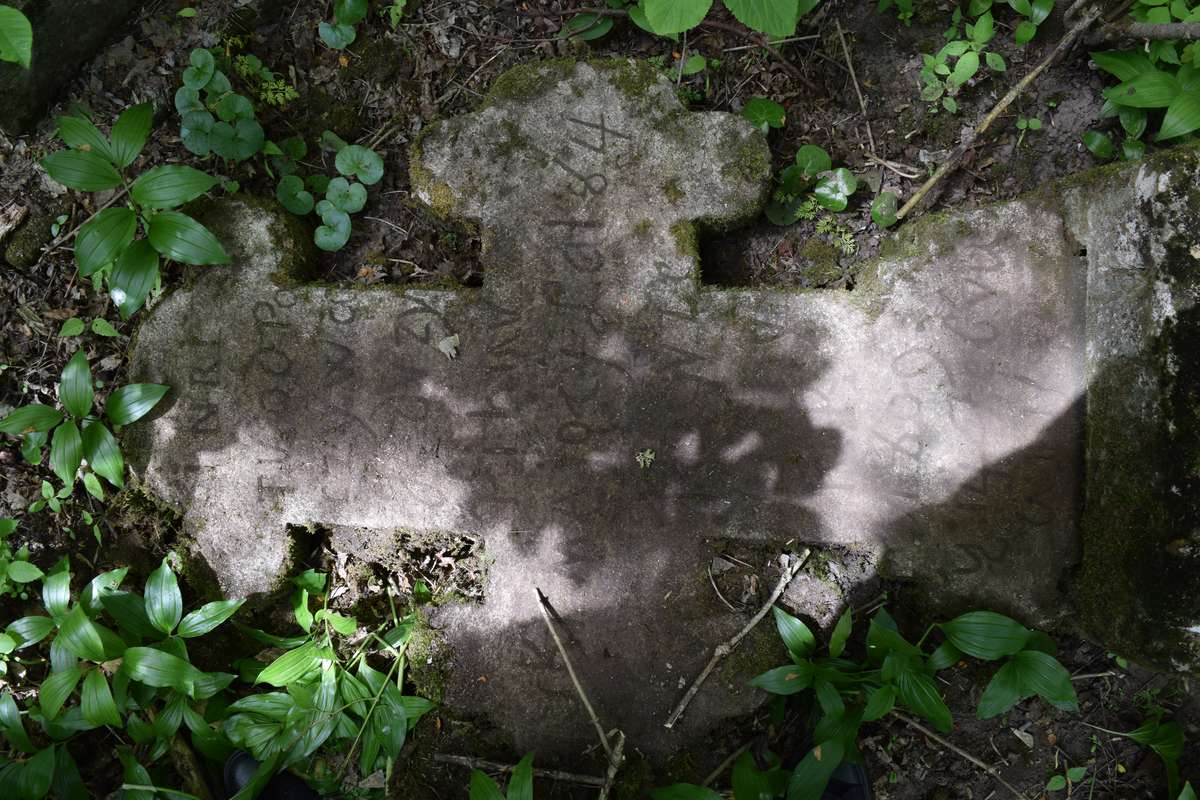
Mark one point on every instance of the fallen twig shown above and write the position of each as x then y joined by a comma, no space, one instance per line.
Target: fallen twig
495,766
990,770
562,651
724,765
725,648
956,157
1146,31
614,765
854,79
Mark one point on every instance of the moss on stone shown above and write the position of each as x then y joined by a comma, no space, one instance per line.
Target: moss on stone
438,194
25,243
430,661
687,243
672,191
642,228
527,82
821,265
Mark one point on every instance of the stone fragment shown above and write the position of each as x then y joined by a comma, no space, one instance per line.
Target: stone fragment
932,417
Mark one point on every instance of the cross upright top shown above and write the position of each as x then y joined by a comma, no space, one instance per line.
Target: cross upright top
926,416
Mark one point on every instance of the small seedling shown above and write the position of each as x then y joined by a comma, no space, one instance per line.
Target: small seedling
1070,777
341,33
1026,124
644,458
764,114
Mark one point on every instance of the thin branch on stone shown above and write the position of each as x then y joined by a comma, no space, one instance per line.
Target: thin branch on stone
956,157
543,603
725,648
614,765
989,769
495,766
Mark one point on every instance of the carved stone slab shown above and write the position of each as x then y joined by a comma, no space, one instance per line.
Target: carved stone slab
932,415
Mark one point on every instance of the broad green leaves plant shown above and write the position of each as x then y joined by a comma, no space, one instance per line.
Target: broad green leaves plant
898,674
1145,88
214,118
944,73
1034,13
809,183
16,37
764,114
344,195
520,784
340,33
80,432
107,665
107,248
773,17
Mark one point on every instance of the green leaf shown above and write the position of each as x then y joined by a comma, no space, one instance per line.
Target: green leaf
812,774
984,29
34,417
349,12
841,633
1183,116
880,702
361,162
292,665
163,670
946,655
103,453
129,133
812,161
56,593
828,698
133,278
164,603
85,171
338,37
920,694
1099,144
764,113
344,625
1164,738
80,635
749,782
196,131
237,141
179,237
291,194
785,680
1056,783
883,209
675,16
796,636
586,27
75,385
11,723
170,186
1002,692
66,452
37,775
1024,32
1076,774
520,784
129,610
1041,673
1149,90
1124,65
335,232
346,196
92,485
208,617
29,630
130,403
965,68
16,37
995,62
102,238
772,17
102,327
81,134
56,689
682,791
203,65
986,634
833,190
98,705
98,586
483,787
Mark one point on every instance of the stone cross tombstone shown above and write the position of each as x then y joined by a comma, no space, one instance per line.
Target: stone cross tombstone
931,416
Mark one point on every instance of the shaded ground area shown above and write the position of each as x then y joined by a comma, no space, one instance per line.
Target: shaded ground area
438,63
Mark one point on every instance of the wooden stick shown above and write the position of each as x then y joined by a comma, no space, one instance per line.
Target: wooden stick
562,651
725,648
990,770
956,157
854,79
1148,31
495,766
614,765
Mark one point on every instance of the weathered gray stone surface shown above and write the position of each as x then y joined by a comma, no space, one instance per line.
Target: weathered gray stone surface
932,417
66,34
